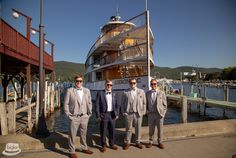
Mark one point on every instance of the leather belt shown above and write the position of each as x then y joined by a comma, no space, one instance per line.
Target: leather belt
80,115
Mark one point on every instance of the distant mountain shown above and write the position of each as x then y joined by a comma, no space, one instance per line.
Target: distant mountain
67,70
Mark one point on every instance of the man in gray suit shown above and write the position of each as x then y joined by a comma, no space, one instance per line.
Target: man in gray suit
134,107
156,110
78,108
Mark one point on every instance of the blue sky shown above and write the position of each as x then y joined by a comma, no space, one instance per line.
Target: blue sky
187,32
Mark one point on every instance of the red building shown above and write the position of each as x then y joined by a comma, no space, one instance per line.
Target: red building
19,58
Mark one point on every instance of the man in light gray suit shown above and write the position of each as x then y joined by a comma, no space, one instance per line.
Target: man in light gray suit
78,108
156,110
134,107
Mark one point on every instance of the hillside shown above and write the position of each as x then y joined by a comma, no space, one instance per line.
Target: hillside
67,70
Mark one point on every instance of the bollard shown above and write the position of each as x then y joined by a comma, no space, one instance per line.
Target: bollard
184,109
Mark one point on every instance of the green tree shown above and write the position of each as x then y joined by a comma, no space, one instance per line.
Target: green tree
232,74
225,73
213,76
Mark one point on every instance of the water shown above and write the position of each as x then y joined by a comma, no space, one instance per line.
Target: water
59,122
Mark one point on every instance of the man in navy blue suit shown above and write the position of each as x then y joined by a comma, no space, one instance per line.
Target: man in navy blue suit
107,111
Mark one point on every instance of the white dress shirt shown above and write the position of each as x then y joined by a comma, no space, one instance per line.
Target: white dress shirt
154,96
133,93
109,101
80,92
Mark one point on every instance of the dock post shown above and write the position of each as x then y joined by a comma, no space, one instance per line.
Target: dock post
182,88
37,104
191,92
205,97
226,97
3,118
30,125
184,109
191,89
59,95
52,93
45,99
11,108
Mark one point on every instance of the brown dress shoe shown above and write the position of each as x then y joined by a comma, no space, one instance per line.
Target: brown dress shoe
149,145
87,151
114,147
103,149
139,145
126,146
161,146
73,155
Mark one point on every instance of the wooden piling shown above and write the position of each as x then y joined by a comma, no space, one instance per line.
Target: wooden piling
226,97
30,125
205,97
37,105
3,118
184,109
52,98
11,109
45,99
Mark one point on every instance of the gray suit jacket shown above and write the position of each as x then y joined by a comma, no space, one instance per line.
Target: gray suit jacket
160,102
140,102
72,102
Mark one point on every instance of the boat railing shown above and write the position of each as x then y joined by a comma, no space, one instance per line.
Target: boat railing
128,53
137,21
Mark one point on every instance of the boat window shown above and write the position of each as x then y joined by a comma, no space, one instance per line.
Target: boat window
98,76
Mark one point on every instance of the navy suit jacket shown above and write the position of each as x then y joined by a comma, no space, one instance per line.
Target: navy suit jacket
101,105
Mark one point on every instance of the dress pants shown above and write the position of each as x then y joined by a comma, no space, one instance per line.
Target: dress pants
137,120
107,123
154,119
76,123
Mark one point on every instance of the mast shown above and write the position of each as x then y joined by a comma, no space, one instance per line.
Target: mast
148,49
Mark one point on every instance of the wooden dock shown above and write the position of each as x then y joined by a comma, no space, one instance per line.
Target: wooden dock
20,116
202,101
184,100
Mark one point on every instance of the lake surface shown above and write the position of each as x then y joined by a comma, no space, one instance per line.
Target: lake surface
59,122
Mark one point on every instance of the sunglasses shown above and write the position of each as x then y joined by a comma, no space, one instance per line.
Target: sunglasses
109,85
132,83
153,84
80,81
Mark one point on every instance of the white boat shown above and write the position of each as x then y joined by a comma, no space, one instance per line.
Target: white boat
123,50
